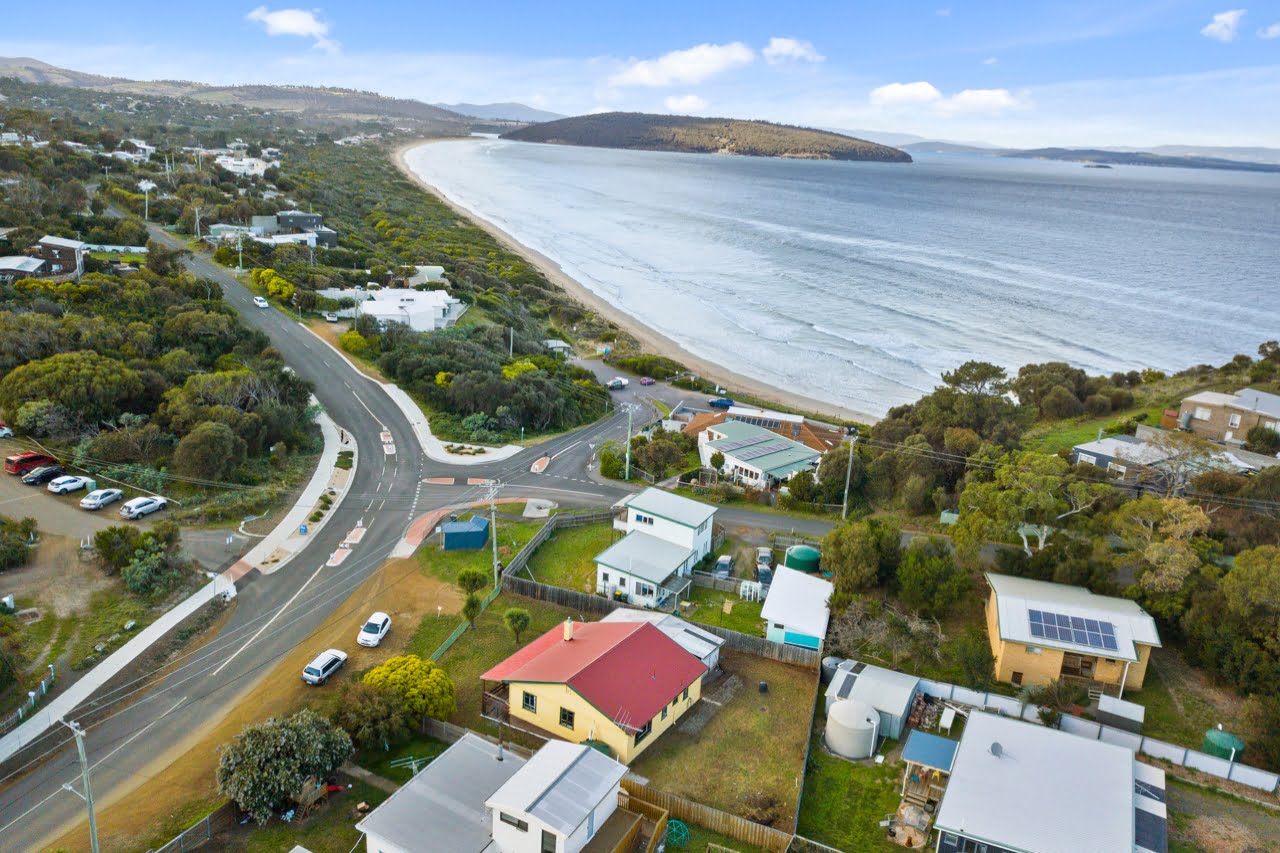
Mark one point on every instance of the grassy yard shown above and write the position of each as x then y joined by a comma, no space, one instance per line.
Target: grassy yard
417,745
708,608
446,565
567,559
754,745
1181,704
844,801
1060,435
108,611
331,828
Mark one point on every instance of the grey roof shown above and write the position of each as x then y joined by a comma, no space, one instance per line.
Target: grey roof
672,507
1253,400
882,689
690,637
447,799
798,601
61,241
644,556
560,785
21,263
1126,448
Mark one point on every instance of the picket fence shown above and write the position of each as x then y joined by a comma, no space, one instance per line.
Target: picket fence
1177,755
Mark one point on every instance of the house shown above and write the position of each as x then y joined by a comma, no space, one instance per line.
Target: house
699,642
1024,788
1229,417
812,435
558,347
61,256
1041,631
668,516
1122,456
666,536
618,685
796,609
420,310
892,694
15,267
295,222
755,456
252,167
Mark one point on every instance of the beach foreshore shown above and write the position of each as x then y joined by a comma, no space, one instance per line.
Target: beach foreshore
650,339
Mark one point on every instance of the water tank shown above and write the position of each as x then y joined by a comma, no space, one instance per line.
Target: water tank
803,558
851,729
1220,743
829,664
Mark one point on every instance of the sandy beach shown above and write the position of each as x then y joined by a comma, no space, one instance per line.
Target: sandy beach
650,339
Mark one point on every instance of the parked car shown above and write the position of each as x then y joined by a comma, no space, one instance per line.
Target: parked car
21,463
69,483
723,567
646,380
99,498
5,432
764,574
325,665
617,383
720,403
43,474
260,302
374,629
331,317
764,556
138,507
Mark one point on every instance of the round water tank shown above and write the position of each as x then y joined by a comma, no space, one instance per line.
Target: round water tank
851,729
829,664
1221,743
804,558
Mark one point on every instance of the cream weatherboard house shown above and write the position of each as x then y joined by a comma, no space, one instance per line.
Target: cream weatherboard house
666,535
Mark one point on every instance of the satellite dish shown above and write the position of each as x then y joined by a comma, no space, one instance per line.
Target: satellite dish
996,749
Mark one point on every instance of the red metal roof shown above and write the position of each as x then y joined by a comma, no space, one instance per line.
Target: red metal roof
628,670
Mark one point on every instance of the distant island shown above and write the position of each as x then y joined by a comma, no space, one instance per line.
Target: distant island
1139,158
645,132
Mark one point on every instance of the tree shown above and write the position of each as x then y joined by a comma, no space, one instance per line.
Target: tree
115,546
211,451
1160,534
88,384
1263,439
268,764
977,378
1252,589
1262,715
849,553
1054,697
1060,403
717,460
1035,381
372,716
517,620
471,608
425,689
972,654
832,471
472,580
928,578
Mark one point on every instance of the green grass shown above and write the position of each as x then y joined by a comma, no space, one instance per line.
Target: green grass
1061,435
1182,719
567,559
378,761
844,801
182,819
108,611
705,496
709,610
446,565
700,837
331,828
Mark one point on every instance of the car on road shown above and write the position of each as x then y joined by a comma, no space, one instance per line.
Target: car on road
617,383
138,507
324,666
330,317
99,498
43,474
646,380
260,302
720,403
375,628
69,483
21,463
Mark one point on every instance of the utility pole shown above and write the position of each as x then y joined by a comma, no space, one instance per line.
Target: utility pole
239,252
511,347
493,531
197,210
87,796
848,475
627,473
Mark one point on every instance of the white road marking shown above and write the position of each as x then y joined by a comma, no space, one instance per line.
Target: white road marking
567,449
258,633
367,409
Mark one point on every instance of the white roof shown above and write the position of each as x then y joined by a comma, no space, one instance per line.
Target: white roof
883,689
644,555
560,785
798,601
1212,398
671,506
781,417
1048,791
691,638
1017,597
1127,448
61,241
22,263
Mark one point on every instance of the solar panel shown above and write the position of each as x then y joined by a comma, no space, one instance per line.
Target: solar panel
1107,628
1093,633
757,452
744,442
1109,642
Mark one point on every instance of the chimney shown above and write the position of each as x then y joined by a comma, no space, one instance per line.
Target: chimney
1099,433
568,630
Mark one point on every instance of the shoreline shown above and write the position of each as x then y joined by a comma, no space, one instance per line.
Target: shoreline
650,339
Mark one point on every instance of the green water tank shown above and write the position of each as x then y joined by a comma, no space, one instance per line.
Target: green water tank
804,558
1221,743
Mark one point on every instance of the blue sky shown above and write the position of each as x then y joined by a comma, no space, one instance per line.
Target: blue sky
1124,72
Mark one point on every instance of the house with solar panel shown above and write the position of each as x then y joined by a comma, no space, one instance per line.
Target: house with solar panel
755,456
1041,632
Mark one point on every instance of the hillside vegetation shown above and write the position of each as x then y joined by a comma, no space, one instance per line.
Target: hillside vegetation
641,131
1140,158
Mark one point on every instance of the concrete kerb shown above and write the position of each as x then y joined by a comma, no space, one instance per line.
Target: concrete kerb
431,446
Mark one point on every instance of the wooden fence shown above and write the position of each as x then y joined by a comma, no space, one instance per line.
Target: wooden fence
724,823
760,647
708,581
582,602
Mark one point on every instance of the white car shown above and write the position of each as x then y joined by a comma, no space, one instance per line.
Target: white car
5,432
99,498
374,629
138,507
69,483
260,302
326,664
330,317
764,556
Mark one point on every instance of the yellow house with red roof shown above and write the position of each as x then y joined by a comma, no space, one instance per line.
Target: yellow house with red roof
621,684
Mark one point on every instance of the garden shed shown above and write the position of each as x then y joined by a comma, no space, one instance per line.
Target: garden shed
891,693
466,535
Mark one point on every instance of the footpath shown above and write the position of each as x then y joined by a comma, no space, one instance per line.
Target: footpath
269,555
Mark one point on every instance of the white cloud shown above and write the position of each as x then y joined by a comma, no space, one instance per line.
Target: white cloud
685,104
1271,32
693,65
981,101
294,22
990,60
780,50
944,12
905,94
1225,26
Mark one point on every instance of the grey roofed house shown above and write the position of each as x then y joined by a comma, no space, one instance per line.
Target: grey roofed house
670,506
560,785
891,693
1125,448
20,263
703,645
445,801
644,556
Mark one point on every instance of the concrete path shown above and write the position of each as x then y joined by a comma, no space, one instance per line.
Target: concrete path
355,771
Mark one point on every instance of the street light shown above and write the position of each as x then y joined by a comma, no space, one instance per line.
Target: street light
146,186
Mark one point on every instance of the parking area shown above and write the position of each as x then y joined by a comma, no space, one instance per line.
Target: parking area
59,515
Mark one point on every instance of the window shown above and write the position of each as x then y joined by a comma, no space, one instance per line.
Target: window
1113,468
1202,414
566,718
686,694
644,731
1031,650
548,842
1233,421
664,712
1110,660
1085,458
644,519
702,528
513,821
530,702
1016,678
622,583
604,576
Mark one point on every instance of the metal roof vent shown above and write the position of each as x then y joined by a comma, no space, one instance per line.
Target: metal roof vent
996,749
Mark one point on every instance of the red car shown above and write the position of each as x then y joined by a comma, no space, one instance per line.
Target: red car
647,380
21,463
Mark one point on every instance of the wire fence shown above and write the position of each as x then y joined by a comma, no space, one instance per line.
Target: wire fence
33,698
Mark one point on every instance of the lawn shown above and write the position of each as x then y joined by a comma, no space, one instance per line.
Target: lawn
1061,435
331,828
708,608
446,565
108,611
1181,704
845,801
567,559
753,745
417,745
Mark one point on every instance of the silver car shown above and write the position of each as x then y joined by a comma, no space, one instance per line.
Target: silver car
138,507
324,666
99,498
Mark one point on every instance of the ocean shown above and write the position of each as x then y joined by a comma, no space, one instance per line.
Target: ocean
861,283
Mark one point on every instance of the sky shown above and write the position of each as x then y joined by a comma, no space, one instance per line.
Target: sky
1121,72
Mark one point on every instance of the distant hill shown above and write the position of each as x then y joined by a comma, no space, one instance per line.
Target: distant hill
937,146
509,111
645,132
1139,158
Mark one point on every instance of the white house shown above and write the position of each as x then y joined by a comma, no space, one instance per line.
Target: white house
753,455
254,167
796,609
666,536
421,310
669,517
557,802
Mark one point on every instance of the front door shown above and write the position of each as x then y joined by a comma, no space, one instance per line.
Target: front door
1080,666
